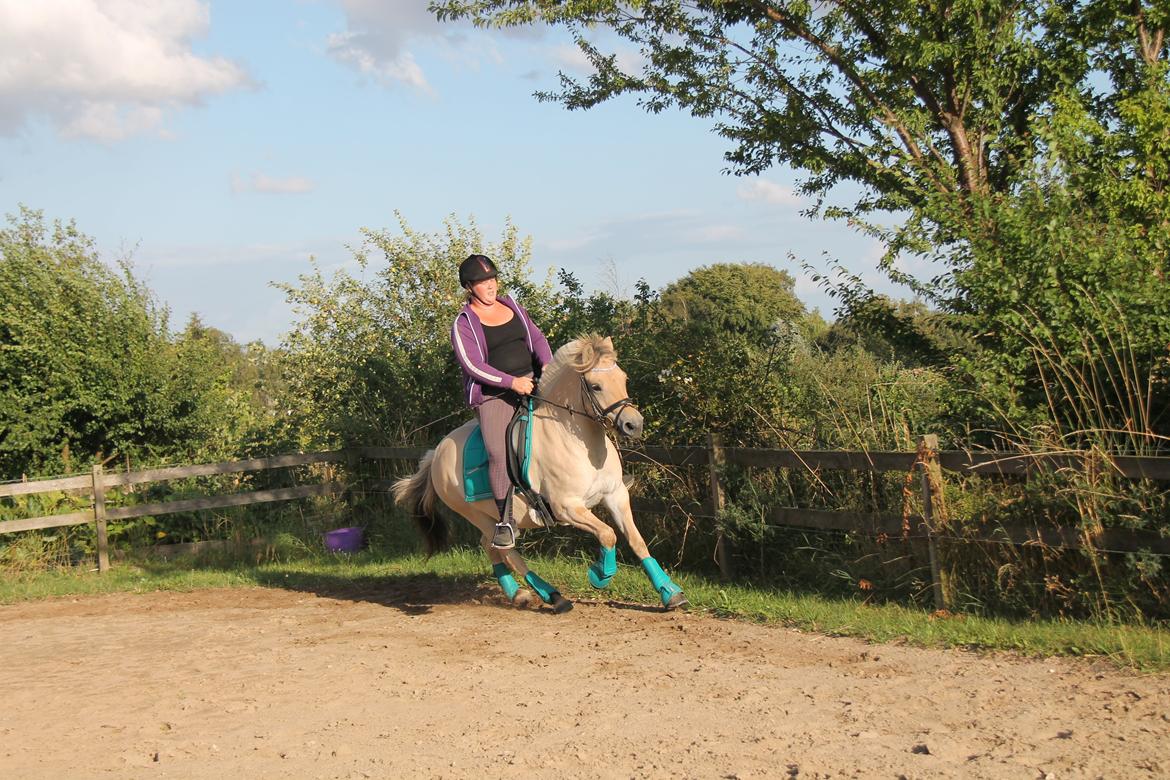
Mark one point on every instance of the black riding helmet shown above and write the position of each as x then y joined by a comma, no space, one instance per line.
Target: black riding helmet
476,268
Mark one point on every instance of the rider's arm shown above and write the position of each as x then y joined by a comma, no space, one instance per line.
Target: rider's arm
470,356
540,348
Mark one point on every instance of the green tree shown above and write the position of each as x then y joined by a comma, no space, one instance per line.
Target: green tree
226,398
734,297
712,353
1025,146
88,369
370,359
906,99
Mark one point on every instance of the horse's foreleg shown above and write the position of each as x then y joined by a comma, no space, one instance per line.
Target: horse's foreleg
602,570
618,504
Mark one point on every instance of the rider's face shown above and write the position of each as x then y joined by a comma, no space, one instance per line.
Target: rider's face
485,291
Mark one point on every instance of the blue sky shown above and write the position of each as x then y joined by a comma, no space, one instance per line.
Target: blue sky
221,144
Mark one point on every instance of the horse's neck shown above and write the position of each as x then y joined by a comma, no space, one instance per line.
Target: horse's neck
573,446
578,423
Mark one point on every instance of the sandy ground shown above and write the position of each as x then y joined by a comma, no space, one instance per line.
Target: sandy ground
422,678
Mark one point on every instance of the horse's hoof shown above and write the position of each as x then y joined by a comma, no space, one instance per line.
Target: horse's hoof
598,581
560,604
523,600
676,601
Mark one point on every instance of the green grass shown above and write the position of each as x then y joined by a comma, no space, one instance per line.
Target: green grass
459,573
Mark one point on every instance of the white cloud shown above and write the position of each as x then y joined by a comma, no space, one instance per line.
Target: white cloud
355,49
769,192
263,183
715,233
105,69
569,57
383,41
619,228
573,242
112,122
230,286
377,37
152,260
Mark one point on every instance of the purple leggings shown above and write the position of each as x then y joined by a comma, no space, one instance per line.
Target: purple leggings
494,415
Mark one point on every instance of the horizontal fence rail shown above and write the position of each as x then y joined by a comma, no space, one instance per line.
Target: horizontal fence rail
979,463
893,526
712,456
230,467
99,482
222,502
46,486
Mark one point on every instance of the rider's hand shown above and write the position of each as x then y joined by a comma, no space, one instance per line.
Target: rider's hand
523,385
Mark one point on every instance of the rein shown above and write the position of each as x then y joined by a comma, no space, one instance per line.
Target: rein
598,414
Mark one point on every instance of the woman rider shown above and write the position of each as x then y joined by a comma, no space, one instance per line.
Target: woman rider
500,352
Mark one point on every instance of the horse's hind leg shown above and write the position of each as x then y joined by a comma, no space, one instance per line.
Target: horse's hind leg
445,468
482,515
548,593
618,504
503,573
505,562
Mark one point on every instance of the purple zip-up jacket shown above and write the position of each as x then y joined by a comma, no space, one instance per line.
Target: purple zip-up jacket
467,337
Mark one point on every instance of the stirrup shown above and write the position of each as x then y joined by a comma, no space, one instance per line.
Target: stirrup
504,537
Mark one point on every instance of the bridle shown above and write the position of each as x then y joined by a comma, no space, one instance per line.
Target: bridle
594,410
603,415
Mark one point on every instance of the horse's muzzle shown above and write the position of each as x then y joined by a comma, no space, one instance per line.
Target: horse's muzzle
629,423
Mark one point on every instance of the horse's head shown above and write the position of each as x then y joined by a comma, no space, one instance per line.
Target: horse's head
602,383
605,387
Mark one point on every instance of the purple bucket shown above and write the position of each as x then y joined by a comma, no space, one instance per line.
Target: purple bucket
344,540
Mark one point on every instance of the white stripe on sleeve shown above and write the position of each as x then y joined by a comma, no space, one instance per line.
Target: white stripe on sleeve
463,355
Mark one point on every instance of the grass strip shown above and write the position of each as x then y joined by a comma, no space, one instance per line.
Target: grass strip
1139,647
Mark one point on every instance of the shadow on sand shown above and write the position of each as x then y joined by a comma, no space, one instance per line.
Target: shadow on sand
412,594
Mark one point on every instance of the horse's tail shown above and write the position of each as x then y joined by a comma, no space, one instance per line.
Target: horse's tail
417,495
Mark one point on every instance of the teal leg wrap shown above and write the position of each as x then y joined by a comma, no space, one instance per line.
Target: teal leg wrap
542,588
659,579
507,581
602,570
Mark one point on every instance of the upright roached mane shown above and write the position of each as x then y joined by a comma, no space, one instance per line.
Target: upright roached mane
574,467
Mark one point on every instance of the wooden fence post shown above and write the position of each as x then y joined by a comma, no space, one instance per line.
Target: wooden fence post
715,459
928,446
99,516
355,477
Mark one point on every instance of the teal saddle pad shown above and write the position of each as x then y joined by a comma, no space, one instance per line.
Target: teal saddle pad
476,484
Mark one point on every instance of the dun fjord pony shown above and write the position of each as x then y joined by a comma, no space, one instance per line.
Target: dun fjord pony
574,466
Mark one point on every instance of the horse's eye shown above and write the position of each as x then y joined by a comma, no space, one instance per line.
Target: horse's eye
595,388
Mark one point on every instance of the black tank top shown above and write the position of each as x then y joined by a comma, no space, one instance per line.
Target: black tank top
507,348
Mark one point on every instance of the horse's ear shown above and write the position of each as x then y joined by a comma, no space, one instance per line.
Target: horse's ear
608,342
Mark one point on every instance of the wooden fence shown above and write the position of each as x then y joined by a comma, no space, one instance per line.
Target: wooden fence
928,462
